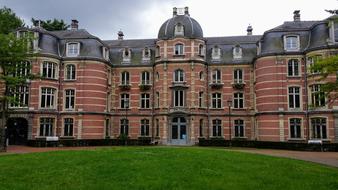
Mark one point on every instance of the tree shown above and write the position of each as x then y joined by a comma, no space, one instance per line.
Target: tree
13,51
51,25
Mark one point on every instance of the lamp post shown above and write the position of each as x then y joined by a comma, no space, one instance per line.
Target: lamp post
229,106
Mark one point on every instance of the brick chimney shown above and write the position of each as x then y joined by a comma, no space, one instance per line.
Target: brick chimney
74,25
249,30
296,15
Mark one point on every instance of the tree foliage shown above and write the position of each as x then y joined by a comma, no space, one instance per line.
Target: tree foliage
52,25
9,21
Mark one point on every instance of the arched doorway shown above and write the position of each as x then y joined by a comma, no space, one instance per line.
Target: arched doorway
179,131
17,131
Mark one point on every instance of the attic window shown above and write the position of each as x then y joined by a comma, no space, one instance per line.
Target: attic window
105,53
333,31
126,55
179,30
291,43
216,53
335,27
146,54
73,49
237,52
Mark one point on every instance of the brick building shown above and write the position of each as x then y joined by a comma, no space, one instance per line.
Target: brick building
179,87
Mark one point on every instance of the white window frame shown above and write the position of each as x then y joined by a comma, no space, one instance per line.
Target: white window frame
124,97
146,54
239,125
294,97
73,49
291,46
217,98
69,98
51,70
216,53
179,29
300,125
145,101
201,50
201,99
145,78
124,123
52,95
105,53
313,133
145,128
238,76
125,78
180,75
293,63
312,60
315,88
237,52
216,76
179,49
68,124
238,100
126,55
50,123
217,123
177,96
70,72
21,96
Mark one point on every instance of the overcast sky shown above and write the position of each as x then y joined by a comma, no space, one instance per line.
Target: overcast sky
143,18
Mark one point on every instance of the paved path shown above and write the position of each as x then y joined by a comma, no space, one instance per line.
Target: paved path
326,158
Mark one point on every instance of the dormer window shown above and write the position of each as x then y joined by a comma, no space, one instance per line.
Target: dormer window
126,55
179,49
333,31
73,49
216,53
105,53
201,50
291,43
179,30
237,52
146,54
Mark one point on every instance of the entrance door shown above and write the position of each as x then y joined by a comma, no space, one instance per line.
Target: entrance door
17,131
179,131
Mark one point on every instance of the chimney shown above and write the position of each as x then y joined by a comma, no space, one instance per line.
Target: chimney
186,11
120,35
74,25
174,11
296,15
249,30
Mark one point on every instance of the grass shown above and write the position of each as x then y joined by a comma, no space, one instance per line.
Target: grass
161,168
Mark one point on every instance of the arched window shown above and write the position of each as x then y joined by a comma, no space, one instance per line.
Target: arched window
179,49
201,74
179,30
179,75
146,54
126,55
216,53
237,52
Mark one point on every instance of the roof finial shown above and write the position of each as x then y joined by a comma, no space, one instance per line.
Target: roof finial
120,35
249,30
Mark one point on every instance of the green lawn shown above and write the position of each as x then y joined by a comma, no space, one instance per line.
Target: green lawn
161,168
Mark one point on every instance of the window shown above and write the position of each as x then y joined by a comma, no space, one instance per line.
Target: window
69,99
201,127
124,127
124,101
20,94
317,96
126,55
217,128
108,129
22,69
48,97
73,49
238,100
291,43
239,128
125,78
238,76
293,68
201,50
294,97
105,53
179,30
70,72
295,128
216,100
201,74
200,100
46,127
157,99
237,52
335,28
179,49
216,76
144,127
145,77
49,70
216,53
157,76
318,126
157,51
178,98
157,128
313,60
146,54
145,100
68,127
179,75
